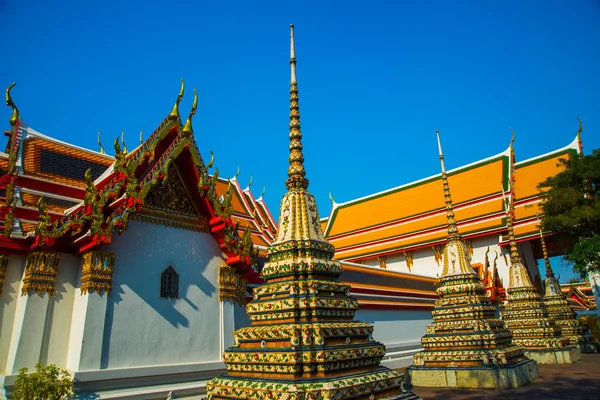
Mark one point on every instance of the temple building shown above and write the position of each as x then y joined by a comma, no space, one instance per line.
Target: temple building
131,269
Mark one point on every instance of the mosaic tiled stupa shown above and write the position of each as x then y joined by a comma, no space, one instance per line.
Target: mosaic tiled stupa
466,345
303,342
524,312
557,305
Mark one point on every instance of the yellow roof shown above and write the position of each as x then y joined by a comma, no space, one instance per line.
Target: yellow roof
413,215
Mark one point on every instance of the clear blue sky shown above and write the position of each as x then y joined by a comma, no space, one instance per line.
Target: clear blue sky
376,80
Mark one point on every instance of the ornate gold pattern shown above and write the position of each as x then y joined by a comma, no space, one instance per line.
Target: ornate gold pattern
524,313
231,285
438,252
466,332
409,259
3,268
12,148
41,269
170,196
97,271
469,245
556,302
303,343
382,262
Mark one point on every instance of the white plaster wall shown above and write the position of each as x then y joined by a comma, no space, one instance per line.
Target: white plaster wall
396,327
56,336
143,329
8,305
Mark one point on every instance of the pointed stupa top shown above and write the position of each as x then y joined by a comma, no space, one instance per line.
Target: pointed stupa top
299,217
456,261
296,172
518,275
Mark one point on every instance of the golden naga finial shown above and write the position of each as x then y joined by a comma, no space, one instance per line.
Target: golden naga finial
123,142
263,191
212,160
237,173
9,102
175,111
187,129
452,227
100,144
296,173
331,197
141,137
578,131
250,181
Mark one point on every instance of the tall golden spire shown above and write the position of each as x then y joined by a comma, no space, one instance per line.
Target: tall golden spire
296,173
452,227
549,272
510,211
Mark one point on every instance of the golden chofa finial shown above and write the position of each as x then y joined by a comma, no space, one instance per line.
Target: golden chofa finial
187,129
141,136
452,227
175,111
100,144
15,115
578,131
123,142
296,173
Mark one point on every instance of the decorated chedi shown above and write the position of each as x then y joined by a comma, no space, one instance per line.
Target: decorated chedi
557,305
524,312
467,345
303,342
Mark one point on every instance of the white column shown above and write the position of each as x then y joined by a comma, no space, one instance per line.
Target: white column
27,338
87,331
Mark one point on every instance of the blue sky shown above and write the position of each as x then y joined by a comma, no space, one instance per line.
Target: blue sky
376,79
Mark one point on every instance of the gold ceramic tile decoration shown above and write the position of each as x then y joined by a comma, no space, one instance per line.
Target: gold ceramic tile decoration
524,312
466,334
303,342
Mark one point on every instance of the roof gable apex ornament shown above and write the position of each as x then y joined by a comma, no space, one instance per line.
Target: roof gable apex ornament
175,112
188,130
9,102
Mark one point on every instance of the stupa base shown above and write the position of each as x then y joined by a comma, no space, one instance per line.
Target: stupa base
383,384
566,355
493,377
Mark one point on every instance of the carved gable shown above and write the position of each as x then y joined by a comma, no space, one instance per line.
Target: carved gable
169,203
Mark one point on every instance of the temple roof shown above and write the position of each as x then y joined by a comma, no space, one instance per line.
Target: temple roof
413,215
55,169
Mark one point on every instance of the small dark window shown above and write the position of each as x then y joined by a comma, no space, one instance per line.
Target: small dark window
169,284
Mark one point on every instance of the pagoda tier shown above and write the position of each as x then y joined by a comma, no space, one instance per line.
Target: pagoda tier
303,342
524,312
467,345
557,306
